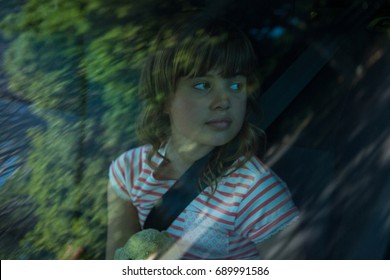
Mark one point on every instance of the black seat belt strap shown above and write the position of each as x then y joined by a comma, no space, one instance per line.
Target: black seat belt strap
176,199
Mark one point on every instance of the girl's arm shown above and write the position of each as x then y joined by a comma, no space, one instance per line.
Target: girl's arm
122,222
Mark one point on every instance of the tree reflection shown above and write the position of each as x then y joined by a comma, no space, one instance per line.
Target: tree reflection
68,84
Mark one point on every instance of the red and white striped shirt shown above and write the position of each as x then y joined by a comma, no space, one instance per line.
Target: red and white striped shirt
249,206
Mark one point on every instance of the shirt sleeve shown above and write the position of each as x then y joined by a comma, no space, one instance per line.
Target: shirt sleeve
119,175
265,209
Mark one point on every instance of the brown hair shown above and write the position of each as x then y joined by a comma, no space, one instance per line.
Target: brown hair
192,47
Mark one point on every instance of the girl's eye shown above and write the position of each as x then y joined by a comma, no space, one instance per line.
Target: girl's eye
236,86
201,86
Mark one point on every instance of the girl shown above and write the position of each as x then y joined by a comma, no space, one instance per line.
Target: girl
197,87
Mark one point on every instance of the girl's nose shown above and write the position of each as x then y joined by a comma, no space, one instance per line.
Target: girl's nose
221,100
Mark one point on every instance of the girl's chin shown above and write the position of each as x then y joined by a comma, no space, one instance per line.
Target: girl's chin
219,142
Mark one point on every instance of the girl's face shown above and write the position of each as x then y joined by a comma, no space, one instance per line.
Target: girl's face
207,111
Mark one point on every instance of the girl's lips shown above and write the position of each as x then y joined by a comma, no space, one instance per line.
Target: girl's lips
219,124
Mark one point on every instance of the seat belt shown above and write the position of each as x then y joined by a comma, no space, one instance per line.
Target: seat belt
176,199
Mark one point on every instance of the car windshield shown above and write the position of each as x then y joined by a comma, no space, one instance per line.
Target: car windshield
69,76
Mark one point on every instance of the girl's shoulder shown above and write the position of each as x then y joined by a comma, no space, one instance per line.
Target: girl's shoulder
255,164
130,159
253,167
125,168
134,154
253,172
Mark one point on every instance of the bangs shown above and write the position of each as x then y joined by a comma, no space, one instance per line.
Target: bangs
193,49
228,51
